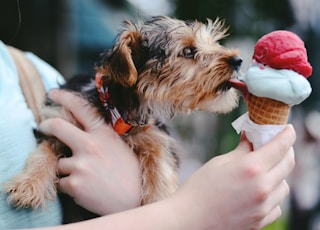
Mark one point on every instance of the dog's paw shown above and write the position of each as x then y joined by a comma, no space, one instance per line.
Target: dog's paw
28,192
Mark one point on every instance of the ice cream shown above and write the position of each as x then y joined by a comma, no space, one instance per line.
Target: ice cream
276,79
282,85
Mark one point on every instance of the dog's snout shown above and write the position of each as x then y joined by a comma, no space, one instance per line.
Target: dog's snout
235,62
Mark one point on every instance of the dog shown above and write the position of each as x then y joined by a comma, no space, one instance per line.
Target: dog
156,69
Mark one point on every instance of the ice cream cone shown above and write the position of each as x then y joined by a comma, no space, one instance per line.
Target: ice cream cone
267,111
278,76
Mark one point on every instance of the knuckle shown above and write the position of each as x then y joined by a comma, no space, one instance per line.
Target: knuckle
261,196
260,215
83,166
262,192
252,170
72,184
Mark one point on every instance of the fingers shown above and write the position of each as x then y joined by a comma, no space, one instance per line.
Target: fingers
274,202
277,195
64,131
65,167
283,168
272,216
67,180
64,186
274,151
84,113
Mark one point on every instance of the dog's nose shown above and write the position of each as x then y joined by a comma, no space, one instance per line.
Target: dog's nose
235,62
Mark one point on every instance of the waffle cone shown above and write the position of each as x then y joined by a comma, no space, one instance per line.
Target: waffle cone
267,111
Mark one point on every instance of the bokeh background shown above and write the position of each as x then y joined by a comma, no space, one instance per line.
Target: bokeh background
70,35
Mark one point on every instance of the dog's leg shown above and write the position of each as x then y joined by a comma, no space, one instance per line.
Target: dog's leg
156,153
36,183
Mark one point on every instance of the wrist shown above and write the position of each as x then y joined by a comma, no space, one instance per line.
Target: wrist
177,213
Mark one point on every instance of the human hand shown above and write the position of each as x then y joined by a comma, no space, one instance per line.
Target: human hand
238,190
103,174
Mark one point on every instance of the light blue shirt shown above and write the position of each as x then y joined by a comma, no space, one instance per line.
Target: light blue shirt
17,140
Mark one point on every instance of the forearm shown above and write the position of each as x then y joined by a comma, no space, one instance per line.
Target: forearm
156,216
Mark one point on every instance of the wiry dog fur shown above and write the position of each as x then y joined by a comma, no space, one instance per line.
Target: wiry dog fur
156,69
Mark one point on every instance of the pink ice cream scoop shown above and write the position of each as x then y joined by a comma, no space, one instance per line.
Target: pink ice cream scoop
283,49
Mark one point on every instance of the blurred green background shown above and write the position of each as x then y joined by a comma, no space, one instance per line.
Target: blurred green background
70,35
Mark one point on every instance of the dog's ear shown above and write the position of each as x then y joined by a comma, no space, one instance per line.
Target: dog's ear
122,63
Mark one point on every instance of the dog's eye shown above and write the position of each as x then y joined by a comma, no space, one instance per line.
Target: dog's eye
189,52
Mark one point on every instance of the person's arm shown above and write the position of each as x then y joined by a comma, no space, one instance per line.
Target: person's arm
239,190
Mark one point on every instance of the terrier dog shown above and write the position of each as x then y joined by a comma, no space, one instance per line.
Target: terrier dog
156,69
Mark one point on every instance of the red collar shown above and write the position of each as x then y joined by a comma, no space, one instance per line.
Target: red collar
118,123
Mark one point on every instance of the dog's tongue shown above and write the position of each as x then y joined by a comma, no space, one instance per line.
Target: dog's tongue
239,85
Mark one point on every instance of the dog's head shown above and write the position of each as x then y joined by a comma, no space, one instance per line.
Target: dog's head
174,66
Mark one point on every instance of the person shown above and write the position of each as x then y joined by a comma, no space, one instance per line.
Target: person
242,189
238,190
17,139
